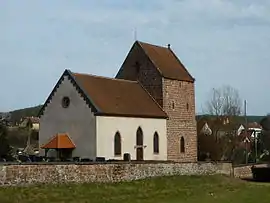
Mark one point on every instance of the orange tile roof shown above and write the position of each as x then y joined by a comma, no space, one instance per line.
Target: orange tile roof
59,141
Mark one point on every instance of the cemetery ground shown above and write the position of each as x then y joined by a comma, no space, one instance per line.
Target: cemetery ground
177,189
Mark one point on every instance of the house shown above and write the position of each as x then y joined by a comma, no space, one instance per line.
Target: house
240,129
253,127
147,111
30,122
5,119
216,126
245,139
204,128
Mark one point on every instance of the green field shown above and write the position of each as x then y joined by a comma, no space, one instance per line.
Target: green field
204,189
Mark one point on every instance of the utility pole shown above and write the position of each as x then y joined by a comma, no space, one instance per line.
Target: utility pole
245,106
256,147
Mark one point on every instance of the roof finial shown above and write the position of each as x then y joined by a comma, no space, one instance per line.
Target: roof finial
169,46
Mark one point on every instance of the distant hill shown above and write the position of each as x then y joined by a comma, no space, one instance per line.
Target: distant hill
16,115
250,118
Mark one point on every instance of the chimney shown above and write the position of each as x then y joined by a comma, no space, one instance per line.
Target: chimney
169,46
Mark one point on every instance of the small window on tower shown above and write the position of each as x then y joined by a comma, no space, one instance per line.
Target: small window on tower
182,145
173,105
187,106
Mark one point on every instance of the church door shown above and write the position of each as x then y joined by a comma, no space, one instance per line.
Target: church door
139,143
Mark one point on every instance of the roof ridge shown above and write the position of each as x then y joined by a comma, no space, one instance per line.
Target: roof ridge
159,46
104,77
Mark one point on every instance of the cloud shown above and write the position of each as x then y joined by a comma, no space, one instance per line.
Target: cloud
220,42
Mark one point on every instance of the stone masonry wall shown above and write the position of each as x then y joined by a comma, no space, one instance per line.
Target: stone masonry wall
181,121
244,171
147,74
179,104
110,172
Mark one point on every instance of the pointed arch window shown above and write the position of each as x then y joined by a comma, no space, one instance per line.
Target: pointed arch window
182,145
139,137
139,144
156,143
117,144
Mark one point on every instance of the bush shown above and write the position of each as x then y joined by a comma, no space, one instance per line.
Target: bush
5,149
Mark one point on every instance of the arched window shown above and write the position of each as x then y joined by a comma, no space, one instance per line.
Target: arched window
139,137
182,145
139,143
117,144
156,143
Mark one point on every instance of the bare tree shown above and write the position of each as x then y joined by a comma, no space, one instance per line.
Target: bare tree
224,101
223,106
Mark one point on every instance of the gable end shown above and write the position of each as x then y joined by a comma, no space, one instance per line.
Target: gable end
77,87
137,44
166,62
149,58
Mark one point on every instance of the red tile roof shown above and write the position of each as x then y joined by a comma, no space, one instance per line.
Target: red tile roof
34,119
118,97
59,141
166,62
254,125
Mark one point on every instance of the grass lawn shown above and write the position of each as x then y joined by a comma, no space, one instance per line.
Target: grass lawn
202,189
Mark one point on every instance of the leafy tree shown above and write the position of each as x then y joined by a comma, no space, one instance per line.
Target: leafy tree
207,148
5,149
263,140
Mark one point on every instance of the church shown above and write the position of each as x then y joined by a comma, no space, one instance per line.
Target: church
146,111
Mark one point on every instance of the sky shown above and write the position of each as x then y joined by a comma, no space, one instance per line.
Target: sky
221,42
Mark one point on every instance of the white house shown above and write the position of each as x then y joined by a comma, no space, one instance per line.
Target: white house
91,116
240,129
254,127
206,130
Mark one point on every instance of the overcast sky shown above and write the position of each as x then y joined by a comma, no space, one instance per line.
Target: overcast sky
220,42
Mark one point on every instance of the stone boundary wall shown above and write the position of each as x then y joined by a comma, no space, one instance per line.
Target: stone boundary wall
244,171
111,172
